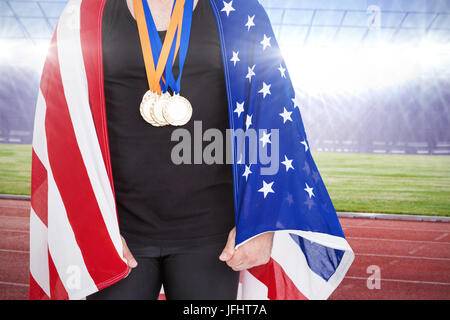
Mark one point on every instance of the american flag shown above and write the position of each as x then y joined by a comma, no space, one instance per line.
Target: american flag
310,255
75,238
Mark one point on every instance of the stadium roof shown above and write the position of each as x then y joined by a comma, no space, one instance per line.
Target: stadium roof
300,22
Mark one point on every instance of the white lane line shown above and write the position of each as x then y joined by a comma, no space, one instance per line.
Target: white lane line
14,251
3,215
357,223
390,216
22,221
14,284
442,236
15,230
416,249
15,207
387,228
400,257
404,281
398,240
13,217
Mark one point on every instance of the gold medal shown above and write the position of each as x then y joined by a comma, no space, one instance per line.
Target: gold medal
178,110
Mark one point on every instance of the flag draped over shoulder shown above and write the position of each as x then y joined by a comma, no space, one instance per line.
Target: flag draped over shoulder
75,245
310,255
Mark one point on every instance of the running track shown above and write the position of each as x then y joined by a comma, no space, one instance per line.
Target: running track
413,257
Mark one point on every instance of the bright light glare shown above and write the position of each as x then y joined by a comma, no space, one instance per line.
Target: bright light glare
23,53
342,70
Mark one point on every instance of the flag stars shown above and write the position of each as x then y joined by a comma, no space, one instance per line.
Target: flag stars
296,101
316,176
239,108
248,121
305,144
250,22
265,89
309,190
265,138
282,71
266,42
289,199
251,73
266,189
228,7
235,58
247,172
287,163
306,168
309,202
286,115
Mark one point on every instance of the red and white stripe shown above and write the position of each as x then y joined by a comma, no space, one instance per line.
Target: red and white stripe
75,241
287,276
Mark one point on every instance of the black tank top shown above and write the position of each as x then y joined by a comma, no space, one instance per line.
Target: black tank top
158,202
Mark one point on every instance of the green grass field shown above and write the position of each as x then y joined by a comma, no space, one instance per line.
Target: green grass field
15,169
409,184
406,184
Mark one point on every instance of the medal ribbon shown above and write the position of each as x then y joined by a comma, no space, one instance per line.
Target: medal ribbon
154,75
156,44
185,32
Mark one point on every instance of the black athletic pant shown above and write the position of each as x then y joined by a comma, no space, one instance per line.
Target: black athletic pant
187,273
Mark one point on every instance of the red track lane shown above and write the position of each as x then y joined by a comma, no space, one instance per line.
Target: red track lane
14,240
397,234
351,289
399,248
15,223
14,267
15,208
413,257
387,223
403,268
13,292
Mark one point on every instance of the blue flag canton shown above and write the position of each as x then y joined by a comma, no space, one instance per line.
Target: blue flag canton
263,99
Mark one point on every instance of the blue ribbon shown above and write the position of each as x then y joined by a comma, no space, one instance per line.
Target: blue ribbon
157,45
